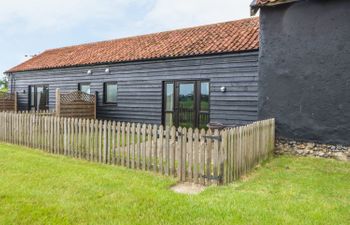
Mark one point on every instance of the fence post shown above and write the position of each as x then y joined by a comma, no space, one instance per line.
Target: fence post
95,105
58,102
16,103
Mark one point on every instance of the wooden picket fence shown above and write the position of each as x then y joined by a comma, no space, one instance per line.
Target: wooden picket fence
199,156
39,112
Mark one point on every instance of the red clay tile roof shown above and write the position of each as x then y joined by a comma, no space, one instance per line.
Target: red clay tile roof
236,36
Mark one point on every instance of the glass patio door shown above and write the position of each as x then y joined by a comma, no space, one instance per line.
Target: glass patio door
38,97
186,103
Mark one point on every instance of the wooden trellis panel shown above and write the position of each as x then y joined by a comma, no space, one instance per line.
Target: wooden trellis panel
76,104
8,102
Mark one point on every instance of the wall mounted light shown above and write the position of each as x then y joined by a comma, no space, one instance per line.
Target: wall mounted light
24,91
89,72
107,70
223,89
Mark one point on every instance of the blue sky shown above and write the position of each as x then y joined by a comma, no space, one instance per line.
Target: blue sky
30,27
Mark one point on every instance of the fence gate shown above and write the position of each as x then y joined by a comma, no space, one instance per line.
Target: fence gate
213,173
201,156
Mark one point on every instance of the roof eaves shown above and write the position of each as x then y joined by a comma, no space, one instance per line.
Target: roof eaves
130,61
257,4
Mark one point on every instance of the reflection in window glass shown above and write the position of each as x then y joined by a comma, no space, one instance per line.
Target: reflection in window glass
204,96
186,95
169,97
32,97
111,92
39,97
169,119
186,112
85,88
203,120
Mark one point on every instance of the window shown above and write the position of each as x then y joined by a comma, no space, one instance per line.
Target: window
84,87
204,105
186,107
110,92
38,97
169,104
186,103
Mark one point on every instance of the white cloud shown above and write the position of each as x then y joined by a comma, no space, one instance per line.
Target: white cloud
59,14
172,14
56,15
29,26
182,13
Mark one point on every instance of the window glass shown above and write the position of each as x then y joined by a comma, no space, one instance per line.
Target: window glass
169,102
85,88
39,97
203,120
44,98
32,96
204,96
111,92
169,119
186,109
186,95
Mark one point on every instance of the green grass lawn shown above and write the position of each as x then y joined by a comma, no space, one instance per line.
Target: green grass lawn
38,188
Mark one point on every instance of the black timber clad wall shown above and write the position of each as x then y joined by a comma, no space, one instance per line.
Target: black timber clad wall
304,78
140,86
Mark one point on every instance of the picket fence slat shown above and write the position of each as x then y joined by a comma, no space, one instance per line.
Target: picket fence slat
138,148
144,144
